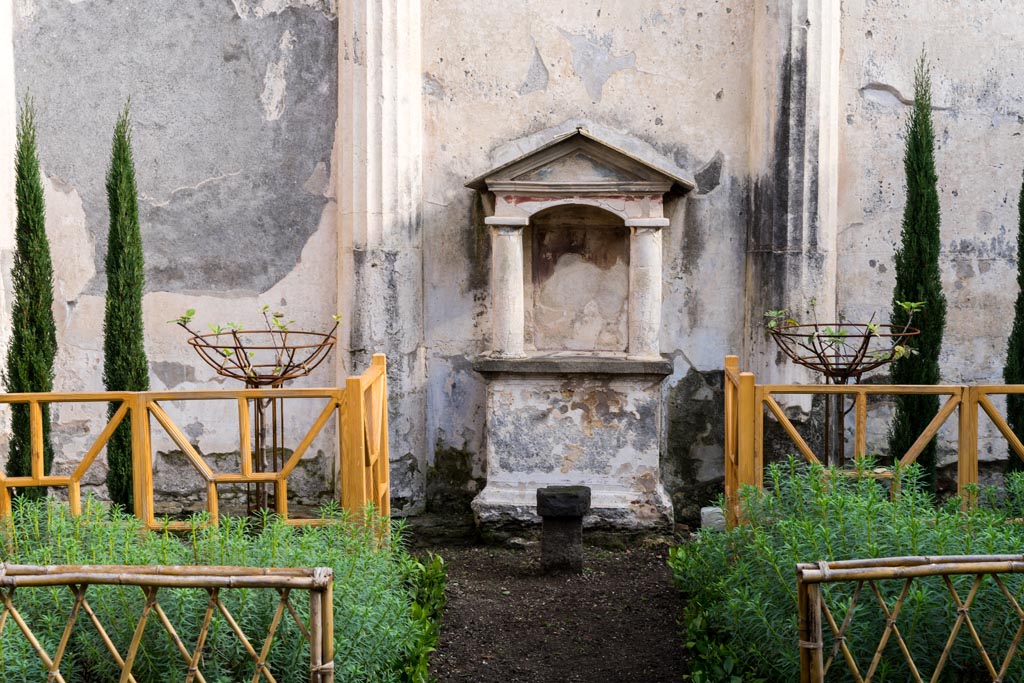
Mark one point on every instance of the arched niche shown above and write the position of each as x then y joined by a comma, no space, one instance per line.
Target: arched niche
576,280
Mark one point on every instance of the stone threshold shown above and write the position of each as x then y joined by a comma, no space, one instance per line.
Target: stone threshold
573,364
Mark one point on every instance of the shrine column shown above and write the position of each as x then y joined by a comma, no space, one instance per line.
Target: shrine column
507,294
645,280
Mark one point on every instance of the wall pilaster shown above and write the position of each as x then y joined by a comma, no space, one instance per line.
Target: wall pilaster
379,189
791,235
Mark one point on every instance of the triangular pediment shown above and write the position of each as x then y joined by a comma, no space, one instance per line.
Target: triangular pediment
580,163
577,166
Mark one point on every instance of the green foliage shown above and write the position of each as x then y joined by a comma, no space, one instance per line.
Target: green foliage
918,279
426,581
741,583
33,342
386,603
1013,371
125,367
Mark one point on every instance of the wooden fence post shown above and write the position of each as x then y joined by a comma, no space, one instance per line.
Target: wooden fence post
142,459
816,646
732,368
382,468
803,633
967,458
353,448
746,461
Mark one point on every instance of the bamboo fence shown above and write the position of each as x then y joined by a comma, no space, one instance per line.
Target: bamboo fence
814,612
746,403
361,409
318,630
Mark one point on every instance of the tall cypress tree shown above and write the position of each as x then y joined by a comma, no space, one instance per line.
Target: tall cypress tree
33,342
918,279
125,367
1013,371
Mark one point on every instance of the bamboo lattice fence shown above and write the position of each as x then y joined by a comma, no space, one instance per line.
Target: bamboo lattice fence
360,407
746,403
318,630
815,613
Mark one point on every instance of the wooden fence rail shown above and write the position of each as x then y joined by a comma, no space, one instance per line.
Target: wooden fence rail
361,409
817,617
317,630
746,402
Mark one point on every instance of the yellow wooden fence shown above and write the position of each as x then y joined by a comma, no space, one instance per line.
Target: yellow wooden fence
746,403
317,630
826,627
361,409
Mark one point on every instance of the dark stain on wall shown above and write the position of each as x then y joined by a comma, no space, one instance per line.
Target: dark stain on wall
404,470
451,485
591,233
710,175
477,241
696,434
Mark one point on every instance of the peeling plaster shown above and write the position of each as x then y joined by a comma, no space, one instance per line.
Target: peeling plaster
71,245
318,182
594,62
274,83
536,77
890,95
263,8
186,188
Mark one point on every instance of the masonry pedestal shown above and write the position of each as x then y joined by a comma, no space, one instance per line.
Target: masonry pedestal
557,420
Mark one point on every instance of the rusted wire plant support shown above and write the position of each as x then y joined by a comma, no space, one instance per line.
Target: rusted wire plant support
263,358
842,353
746,402
815,613
362,460
318,630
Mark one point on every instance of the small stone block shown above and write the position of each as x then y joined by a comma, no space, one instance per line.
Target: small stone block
713,518
561,545
563,501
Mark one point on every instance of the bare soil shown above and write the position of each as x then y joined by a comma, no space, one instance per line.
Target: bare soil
506,622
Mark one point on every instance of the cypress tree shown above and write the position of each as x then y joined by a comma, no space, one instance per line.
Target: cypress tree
918,279
125,367
33,342
1013,371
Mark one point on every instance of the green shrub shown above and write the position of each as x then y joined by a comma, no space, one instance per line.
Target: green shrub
741,583
382,631
427,582
125,367
918,279
33,343
1013,369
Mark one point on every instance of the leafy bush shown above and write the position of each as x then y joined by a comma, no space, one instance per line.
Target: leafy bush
741,583
33,343
125,367
386,603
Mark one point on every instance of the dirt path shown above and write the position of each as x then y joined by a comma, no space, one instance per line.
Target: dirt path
507,623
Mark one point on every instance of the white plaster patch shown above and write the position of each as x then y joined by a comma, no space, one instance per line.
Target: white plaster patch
26,10
274,83
263,8
582,307
71,246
